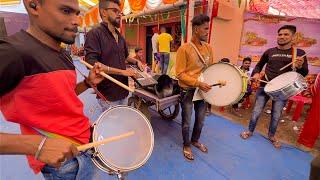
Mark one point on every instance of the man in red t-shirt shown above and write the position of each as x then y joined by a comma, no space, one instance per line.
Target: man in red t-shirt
38,90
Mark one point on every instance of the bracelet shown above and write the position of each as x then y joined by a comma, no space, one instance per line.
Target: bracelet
108,69
40,147
86,83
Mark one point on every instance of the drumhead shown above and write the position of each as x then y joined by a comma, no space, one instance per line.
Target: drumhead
227,94
129,153
281,81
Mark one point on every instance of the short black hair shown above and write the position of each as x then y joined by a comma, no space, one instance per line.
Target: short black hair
199,20
137,49
105,3
291,28
246,59
225,60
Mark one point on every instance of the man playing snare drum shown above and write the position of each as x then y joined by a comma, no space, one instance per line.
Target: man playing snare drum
189,66
275,58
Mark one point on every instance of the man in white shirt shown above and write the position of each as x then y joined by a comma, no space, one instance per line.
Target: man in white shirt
154,41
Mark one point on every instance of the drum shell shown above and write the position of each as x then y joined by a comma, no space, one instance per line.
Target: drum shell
211,96
98,157
292,89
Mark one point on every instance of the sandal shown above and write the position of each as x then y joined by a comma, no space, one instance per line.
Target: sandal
275,142
187,153
200,146
245,135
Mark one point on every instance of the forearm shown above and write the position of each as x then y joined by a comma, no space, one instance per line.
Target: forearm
19,144
81,87
132,60
188,80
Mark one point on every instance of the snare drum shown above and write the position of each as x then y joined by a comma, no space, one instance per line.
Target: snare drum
232,92
286,85
126,154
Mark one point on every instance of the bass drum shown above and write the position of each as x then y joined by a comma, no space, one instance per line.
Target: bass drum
232,92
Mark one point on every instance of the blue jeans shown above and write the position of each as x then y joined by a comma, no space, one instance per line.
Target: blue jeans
277,106
187,106
78,168
105,106
164,62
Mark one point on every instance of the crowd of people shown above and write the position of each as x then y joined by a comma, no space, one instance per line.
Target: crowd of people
45,68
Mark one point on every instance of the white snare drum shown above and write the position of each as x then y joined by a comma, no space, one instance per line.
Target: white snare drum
126,154
285,85
232,92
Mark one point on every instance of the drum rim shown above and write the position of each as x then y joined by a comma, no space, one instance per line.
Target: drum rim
243,75
299,76
102,158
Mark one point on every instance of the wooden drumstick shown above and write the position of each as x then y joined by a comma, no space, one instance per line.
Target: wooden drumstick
104,141
290,63
261,80
109,77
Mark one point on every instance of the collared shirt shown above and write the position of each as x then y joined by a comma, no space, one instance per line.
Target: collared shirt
101,46
189,65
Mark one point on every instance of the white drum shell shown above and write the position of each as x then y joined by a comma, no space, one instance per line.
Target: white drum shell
285,86
122,155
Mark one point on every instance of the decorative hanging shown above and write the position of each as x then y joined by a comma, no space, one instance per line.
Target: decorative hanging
165,15
87,20
94,14
169,1
214,13
80,19
126,8
183,22
153,4
137,5
204,6
122,4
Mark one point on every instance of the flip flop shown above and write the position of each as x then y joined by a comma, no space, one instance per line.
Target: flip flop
200,146
275,142
187,154
245,135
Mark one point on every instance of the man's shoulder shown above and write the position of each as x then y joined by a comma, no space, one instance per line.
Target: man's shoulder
17,44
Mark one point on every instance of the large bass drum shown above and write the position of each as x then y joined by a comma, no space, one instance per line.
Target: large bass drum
232,92
126,154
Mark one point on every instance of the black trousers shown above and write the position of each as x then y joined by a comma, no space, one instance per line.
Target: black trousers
315,169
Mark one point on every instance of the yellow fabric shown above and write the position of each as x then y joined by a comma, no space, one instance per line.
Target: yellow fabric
164,40
189,66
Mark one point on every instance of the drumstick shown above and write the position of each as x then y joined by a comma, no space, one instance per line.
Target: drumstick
109,77
290,63
104,141
261,80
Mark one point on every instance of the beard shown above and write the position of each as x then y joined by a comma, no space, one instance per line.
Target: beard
115,22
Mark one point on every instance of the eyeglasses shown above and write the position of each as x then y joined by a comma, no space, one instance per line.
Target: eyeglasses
115,10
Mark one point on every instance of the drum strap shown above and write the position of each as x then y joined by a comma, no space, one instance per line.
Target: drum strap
54,135
294,55
200,56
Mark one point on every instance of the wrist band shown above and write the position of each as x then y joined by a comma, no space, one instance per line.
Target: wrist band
40,147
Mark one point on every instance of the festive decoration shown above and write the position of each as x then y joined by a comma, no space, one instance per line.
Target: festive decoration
87,20
153,4
169,1
126,8
204,6
183,22
80,19
137,5
94,14
214,13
